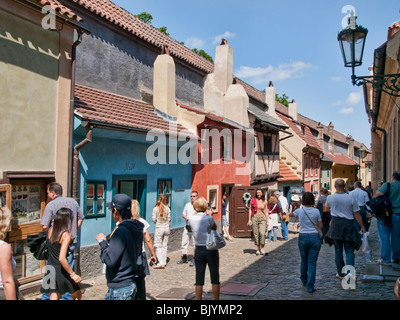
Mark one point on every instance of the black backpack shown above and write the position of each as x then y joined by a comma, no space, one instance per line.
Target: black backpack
381,207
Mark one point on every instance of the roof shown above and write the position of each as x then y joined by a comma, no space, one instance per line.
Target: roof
127,21
60,9
266,118
115,110
208,115
286,174
304,133
341,159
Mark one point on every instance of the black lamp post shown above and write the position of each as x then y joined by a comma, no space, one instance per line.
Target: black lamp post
352,41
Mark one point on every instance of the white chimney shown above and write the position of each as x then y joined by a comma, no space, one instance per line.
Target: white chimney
164,84
293,109
236,103
223,66
270,98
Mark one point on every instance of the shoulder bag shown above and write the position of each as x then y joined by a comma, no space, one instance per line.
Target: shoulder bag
315,226
37,244
214,240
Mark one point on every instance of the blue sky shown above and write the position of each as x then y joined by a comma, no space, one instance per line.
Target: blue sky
292,42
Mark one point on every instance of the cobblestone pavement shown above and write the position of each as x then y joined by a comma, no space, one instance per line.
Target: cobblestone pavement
278,272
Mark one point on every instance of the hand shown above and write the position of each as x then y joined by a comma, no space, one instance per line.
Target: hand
249,223
154,259
76,278
100,237
363,229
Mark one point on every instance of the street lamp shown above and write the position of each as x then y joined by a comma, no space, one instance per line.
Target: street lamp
352,41
362,152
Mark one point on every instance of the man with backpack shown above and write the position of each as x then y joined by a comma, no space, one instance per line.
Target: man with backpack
389,234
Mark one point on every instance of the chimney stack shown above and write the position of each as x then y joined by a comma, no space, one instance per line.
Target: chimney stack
164,84
331,138
320,138
350,150
223,66
293,109
270,98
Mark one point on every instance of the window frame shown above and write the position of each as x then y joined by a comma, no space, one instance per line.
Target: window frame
96,183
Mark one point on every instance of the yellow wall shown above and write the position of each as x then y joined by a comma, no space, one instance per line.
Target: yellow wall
347,173
35,93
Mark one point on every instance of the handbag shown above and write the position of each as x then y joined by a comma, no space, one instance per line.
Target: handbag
315,226
214,240
38,245
396,289
381,207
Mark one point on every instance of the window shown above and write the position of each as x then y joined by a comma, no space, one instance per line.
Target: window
306,166
164,188
212,197
267,144
95,199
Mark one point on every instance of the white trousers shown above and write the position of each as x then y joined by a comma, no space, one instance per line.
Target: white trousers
187,237
161,235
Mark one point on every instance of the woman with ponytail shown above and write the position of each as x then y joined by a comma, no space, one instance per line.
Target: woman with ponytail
162,218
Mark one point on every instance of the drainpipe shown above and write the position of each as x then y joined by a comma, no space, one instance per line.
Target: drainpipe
72,106
384,148
75,178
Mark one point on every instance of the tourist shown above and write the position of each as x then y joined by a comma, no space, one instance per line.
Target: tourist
309,241
284,215
324,211
361,198
162,218
225,222
143,265
274,210
7,262
258,219
200,224
390,234
187,235
122,251
59,278
342,232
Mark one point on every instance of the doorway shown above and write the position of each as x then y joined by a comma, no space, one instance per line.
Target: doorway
239,211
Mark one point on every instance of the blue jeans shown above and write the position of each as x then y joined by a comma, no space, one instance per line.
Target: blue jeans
125,293
70,259
390,239
349,248
275,233
285,230
309,246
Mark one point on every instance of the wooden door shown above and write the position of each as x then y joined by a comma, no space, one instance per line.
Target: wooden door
239,213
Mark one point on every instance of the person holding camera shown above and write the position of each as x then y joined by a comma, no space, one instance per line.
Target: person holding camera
187,236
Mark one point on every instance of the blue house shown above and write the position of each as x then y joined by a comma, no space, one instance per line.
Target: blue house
112,135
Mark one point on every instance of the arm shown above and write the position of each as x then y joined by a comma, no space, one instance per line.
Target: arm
149,243
6,272
111,252
65,241
358,218
266,212
378,194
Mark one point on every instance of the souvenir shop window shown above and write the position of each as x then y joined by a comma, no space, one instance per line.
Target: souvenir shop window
95,199
165,188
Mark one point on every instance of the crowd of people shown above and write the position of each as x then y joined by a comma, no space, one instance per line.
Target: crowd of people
338,219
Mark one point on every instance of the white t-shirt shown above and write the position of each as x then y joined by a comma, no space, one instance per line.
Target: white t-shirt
12,263
305,224
146,226
199,224
360,196
342,205
188,210
283,203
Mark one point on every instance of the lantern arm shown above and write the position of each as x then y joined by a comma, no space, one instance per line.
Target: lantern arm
388,83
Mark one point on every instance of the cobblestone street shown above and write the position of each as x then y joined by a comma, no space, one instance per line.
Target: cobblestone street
276,274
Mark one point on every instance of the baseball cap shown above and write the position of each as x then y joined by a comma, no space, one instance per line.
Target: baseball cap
121,202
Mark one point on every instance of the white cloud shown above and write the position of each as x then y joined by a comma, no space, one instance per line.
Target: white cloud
348,110
194,42
226,35
336,78
354,98
337,103
294,69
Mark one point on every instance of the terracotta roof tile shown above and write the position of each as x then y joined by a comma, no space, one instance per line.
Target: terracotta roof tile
304,133
209,115
127,21
341,159
286,174
60,9
108,108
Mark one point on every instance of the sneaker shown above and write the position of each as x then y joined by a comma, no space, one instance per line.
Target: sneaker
191,263
262,252
183,260
257,253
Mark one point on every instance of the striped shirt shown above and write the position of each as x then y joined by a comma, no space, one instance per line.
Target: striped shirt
62,202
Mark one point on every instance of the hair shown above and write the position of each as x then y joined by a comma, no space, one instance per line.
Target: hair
339,183
162,208
262,192
273,199
62,223
294,192
324,190
5,221
396,175
135,209
194,191
200,204
56,188
357,184
308,199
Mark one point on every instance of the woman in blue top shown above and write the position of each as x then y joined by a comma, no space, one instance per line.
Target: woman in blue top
309,239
